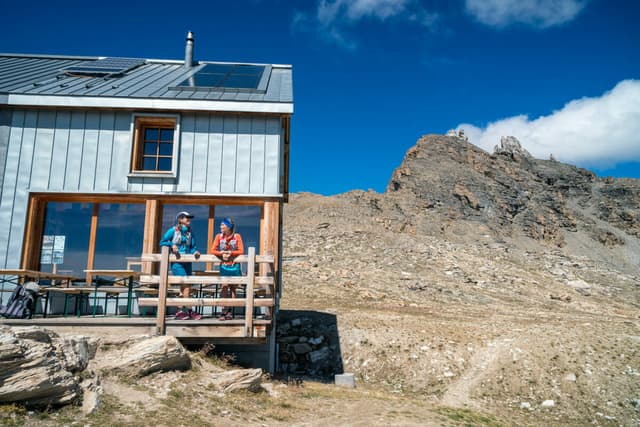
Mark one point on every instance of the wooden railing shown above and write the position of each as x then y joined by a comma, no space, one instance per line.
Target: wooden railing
251,281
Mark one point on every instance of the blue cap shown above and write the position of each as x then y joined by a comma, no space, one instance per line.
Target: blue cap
227,222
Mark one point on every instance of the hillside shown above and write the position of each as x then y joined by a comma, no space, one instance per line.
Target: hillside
491,282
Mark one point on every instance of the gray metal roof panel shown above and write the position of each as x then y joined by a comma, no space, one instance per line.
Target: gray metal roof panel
18,73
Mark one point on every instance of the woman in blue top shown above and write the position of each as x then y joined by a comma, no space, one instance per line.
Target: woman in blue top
181,240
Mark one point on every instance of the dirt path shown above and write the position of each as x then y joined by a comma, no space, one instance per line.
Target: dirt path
483,363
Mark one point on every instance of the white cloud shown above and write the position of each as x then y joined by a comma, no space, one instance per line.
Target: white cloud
333,18
600,131
535,13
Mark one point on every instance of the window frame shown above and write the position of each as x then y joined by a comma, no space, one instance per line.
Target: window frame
140,121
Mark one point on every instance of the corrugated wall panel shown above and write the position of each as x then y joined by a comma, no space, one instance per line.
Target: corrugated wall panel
90,152
20,198
200,154
229,147
5,132
59,153
9,185
258,140
74,151
43,150
105,147
185,165
214,165
121,152
243,153
272,156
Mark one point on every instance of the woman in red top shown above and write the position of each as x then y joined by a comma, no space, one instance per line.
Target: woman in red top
228,245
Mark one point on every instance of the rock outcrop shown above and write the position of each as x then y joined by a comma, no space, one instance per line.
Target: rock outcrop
39,368
34,368
446,178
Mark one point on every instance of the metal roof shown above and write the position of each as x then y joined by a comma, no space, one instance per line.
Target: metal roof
40,80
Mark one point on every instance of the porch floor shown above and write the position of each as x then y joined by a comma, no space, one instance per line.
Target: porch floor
207,329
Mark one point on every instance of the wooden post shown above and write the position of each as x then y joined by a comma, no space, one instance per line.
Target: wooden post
162,291
92,242
211,234
152,230
248,311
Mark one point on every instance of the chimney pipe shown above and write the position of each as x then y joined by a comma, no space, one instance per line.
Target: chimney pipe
188,51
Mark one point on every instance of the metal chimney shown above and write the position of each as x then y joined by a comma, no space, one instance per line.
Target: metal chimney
188,51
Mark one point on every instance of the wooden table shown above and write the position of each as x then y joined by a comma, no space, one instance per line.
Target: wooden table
119,281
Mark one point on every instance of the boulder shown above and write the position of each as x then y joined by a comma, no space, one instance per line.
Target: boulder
144,356
33,371
238,379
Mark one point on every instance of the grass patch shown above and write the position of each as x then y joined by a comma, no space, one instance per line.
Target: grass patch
469,418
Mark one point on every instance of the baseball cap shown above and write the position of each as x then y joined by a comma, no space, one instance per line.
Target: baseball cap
183,213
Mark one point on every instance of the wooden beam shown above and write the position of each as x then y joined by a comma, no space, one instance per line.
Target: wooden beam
33,234
248,312
191,199
93,231
152,230
154,257
203,302
206,280
211,233
162,291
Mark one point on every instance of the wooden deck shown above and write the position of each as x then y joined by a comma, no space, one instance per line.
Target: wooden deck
259,291
188,331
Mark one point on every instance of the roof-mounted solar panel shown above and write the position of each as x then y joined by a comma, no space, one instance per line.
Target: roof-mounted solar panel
105,66
237,77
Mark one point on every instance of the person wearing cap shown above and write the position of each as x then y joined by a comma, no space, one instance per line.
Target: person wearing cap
228,245
181,240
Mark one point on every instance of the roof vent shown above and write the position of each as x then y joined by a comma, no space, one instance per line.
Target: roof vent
188,51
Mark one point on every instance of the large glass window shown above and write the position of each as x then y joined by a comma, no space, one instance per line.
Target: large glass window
66,238
120,234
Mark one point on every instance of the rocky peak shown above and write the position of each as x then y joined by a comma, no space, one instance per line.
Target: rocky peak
445,179
510,146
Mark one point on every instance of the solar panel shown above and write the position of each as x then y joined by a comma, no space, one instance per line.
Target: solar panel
225,76
105,66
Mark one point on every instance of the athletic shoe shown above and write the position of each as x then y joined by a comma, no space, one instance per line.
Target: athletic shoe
193,315
181,315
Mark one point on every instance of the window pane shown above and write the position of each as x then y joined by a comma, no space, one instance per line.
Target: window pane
164,163
68,222
166,135
120,234
166,149
149,164
150,148
151,134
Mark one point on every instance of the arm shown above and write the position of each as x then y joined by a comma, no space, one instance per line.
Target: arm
214,248
194,247
167,239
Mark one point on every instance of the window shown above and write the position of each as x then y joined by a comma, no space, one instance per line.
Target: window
155,140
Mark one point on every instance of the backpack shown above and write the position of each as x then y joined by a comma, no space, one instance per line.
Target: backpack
22,302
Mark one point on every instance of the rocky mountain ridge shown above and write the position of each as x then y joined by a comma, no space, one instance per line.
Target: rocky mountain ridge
492,282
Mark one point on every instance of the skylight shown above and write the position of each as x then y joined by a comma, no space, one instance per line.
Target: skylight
105,66
227,76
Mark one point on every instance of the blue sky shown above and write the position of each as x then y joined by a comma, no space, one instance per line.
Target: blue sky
372,76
